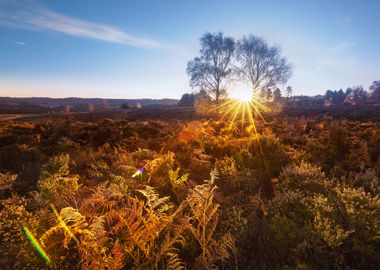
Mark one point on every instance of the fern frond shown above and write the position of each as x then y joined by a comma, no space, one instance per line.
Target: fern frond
116,258
224,247
101,200
69,223
154,201
174,262
97,229
53,238
173,238
72,217
174,178
204,217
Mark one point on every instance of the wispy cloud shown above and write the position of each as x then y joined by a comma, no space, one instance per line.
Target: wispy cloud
20,43
31,15
340,46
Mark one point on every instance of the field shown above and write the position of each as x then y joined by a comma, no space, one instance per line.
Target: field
128,191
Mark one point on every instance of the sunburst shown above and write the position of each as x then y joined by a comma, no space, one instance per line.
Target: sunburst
243,108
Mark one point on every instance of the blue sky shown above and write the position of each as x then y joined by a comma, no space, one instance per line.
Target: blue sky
131,49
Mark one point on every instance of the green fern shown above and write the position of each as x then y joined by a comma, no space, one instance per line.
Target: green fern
175,179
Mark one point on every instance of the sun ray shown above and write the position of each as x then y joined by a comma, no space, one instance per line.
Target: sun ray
224,104
243,114
230,109
236,112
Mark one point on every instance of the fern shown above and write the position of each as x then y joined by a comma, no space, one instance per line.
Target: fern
89,238
97,228
154,202
223,249
174,262
149,229
53,238
116,258
204,214
174,178
70,222
173,238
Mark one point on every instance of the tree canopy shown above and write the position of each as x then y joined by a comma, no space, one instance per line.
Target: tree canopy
212,70
261,65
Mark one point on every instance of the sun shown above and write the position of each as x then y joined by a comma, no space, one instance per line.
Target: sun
242,95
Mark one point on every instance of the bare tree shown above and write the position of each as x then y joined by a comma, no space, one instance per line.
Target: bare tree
212,70
260,64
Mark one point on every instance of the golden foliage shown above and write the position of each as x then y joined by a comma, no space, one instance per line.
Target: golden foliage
204,219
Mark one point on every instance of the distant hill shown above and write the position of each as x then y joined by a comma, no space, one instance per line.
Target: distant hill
72,101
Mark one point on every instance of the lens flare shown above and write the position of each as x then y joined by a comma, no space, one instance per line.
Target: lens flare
138,172
36,245
63,224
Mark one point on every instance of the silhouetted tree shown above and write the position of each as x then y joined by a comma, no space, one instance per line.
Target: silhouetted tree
375,90
269,94
289,91
277,95
212,70
260,64
355,95
187,100
337,97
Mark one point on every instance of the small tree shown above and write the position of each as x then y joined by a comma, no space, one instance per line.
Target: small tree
337,97
269,94
289,91
356,95
277,95
212,70
187,100
260,64
375,90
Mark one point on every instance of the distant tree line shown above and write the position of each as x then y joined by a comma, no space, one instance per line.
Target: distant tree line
354,95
